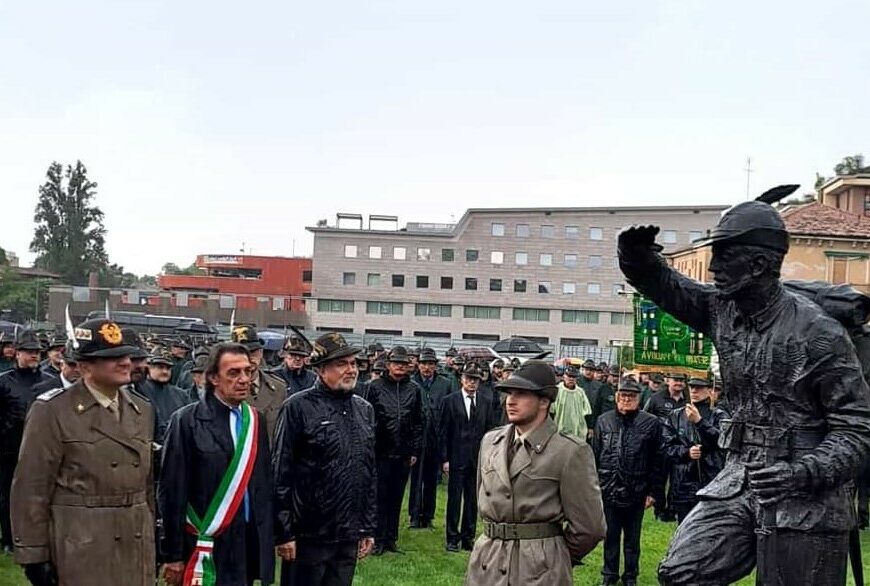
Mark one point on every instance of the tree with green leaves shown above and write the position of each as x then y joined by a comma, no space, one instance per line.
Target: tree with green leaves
70,237
18,296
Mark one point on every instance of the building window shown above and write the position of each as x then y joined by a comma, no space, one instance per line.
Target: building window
348,278
522,258
375,252
695,235
544,286
618,318
334,306
422,281
306,276
618,288
595,261
373,279
471,255
593,288
398,280
528,314
596,234
548,231
496,257
522,230
432,310
424,253
669,236
400,253
569,288
350,251
572,232
495,284
520,285
447,254
447,282
470,284
383,307
497,229
481,312
546,259
571,260
579,316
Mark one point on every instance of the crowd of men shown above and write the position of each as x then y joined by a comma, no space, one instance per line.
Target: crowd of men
336,434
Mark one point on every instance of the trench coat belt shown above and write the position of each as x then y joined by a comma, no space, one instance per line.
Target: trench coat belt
515,531
107,500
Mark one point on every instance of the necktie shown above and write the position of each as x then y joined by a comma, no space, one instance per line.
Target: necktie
113,409
473,410
237,422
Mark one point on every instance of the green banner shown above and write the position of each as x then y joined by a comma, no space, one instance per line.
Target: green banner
660,340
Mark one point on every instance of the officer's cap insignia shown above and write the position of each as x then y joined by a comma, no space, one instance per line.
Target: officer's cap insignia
80,407
240,334
83,334
111,333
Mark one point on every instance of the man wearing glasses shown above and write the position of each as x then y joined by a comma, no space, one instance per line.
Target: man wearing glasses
628,451
325,473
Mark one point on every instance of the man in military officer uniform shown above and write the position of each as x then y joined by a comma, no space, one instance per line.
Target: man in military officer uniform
82,497
267,390
425,474
16,395
296,376
800,426
537,492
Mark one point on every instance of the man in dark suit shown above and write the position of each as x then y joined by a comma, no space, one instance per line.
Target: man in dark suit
424,474
466,417
199,451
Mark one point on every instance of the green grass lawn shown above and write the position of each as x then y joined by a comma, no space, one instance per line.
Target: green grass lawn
425,563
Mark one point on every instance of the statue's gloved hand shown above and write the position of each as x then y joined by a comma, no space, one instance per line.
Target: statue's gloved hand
773,483
41,574
643,237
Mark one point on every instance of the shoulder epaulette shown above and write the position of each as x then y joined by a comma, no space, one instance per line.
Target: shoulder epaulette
49,395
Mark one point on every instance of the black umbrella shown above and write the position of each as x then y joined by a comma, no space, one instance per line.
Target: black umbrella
517,346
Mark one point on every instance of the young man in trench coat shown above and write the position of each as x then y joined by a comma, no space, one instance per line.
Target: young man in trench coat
537,491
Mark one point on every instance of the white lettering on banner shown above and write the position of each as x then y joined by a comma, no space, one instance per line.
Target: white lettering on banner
223,259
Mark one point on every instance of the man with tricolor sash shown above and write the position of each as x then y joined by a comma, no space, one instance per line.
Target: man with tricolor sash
215,491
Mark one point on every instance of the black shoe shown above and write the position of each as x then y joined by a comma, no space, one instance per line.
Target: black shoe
629,582
467,545
393,548
415,524
428,524
378,550
452,547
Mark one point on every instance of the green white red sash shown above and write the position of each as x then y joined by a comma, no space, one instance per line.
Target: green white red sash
200,569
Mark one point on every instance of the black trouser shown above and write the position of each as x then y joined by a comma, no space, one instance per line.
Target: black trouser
863,482
319,564
625,523
461,495
7,471
681,510
392,477
424,479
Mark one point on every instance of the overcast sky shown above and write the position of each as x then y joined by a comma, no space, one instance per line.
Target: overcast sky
227,122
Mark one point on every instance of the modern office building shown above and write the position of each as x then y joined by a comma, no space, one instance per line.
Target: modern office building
548,274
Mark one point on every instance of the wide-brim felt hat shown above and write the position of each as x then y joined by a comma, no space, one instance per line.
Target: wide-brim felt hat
629,385
131,338
399,354
248,337
296,347
428,355
535,376
27,340
699,382
331,346
199,364
590,365
472,370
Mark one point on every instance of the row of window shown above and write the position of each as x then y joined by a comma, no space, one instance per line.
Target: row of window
465,336
573,232
472,284
579,316
496,257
